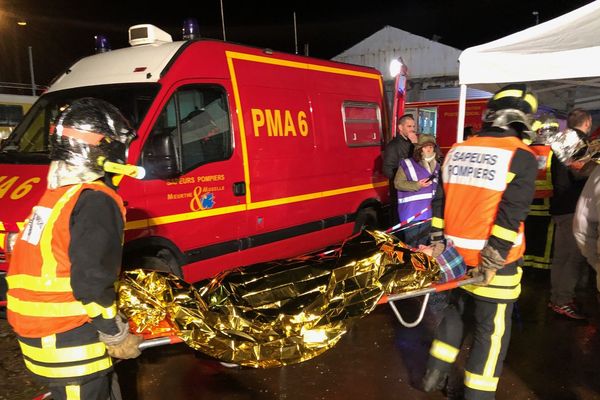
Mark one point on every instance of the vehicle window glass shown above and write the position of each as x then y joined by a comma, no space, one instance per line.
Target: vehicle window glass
362,123
34,139
197,118
31,137
10,115
427,120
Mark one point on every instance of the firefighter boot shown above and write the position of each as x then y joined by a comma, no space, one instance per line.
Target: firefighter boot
434,380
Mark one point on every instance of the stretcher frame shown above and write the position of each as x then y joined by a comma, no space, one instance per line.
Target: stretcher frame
434,288
153,341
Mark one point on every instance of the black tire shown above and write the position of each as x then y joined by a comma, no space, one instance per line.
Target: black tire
163,261
366,218
154,263
3,290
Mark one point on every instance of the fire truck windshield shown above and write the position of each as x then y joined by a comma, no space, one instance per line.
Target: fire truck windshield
29,141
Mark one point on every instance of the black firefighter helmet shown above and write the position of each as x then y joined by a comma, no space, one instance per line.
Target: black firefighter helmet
513,106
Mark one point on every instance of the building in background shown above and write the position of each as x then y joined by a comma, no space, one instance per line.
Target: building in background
432,66
432,77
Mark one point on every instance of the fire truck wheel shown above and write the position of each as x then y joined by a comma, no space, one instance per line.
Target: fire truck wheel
159,264
365,218
3,290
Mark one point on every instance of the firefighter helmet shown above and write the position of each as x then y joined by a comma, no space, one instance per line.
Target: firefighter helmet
90,130
514,106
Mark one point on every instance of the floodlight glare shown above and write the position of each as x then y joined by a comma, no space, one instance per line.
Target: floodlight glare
395,67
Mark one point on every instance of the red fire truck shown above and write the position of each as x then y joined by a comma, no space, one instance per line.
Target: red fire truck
440,118
251,155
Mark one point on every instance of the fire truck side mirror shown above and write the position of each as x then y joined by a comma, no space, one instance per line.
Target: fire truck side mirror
159,157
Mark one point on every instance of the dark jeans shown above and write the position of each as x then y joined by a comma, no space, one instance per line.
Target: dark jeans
413,236
569,266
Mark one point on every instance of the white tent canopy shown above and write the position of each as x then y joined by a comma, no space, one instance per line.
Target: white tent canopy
560,58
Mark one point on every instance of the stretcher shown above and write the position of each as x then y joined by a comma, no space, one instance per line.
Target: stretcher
151,341
170,338
426,292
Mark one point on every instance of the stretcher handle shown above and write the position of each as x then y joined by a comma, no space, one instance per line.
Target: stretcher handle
416,321
161,341
436,288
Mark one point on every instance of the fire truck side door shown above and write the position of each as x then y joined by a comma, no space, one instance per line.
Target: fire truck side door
196,208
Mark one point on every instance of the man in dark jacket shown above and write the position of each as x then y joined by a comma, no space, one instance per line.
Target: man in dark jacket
401,146
396,150
568,264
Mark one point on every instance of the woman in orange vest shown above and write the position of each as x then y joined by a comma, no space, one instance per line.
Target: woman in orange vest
489,181
66,260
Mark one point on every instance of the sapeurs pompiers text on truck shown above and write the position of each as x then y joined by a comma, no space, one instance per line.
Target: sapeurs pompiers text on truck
250,155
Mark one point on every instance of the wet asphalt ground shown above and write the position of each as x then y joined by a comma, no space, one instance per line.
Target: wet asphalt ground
550,357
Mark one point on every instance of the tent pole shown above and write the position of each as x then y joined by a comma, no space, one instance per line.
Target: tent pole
462,105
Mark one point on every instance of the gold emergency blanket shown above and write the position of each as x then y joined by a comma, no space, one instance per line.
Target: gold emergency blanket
276,313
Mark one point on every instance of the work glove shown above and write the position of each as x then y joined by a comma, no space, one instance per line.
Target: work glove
491,262
488,275
128,348
123,344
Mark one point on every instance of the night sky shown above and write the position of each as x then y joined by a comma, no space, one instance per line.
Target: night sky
62,31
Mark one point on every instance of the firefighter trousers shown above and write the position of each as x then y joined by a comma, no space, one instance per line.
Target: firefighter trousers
491,336
104,387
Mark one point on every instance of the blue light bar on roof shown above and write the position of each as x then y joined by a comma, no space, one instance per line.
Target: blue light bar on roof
190,29
101,44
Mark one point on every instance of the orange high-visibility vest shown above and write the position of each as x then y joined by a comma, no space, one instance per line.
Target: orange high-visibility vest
543,180
40,296
475,175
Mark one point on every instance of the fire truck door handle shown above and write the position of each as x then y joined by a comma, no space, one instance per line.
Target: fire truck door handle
374,135
239,188
354,136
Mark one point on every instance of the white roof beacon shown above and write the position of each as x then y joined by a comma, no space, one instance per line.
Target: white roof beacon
147,34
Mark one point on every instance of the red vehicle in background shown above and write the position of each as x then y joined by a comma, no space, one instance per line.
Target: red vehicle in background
251,155
440,118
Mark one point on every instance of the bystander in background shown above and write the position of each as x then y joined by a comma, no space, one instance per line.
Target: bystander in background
569,267
417,183
397,149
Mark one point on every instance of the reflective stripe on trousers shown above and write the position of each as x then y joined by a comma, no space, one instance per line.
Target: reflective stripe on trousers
490,342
